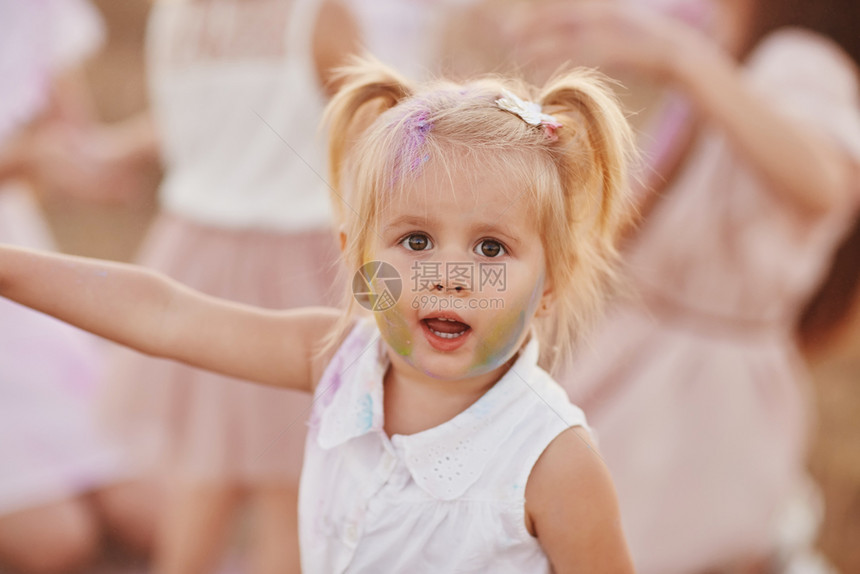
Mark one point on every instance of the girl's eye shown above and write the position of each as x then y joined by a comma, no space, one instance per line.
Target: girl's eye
490,248
416,242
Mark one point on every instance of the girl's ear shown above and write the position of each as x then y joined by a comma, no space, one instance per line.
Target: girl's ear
547,301
342,236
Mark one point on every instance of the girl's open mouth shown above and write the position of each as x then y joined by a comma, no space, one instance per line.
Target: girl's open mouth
445,334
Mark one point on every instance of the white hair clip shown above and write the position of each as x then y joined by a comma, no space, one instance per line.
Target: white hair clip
529,112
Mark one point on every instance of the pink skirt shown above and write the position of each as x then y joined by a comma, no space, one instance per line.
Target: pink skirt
209,427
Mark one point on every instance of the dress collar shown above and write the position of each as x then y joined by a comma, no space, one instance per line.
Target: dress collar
348,401
446,459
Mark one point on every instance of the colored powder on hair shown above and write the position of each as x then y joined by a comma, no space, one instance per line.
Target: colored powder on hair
412,155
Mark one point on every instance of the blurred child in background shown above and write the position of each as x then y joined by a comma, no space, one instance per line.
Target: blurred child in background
63,487
237,88
695,383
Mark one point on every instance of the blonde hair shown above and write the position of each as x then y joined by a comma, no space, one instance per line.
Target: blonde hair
382,129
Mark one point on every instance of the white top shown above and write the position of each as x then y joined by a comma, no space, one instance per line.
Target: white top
448,499
236,99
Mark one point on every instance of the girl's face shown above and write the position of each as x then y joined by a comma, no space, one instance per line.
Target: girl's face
468,251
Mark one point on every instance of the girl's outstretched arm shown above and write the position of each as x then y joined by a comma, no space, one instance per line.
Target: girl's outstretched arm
155,315
572,509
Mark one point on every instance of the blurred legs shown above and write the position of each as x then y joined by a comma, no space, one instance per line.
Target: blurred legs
60,537
195,526
275,544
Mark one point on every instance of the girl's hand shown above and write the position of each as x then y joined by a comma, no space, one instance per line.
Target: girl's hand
336,36
92,162
613,36
802,163
478,37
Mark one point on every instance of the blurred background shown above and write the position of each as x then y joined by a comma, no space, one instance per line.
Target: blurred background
117,80
116,77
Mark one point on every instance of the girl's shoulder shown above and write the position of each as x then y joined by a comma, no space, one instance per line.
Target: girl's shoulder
551,505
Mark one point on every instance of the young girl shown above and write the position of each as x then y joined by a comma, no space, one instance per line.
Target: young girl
696,386
436,441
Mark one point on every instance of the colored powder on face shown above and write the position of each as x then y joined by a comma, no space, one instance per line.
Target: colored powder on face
499,343
505,332
392,325
395,331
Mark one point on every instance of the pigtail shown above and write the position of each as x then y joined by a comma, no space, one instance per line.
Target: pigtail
593,112
593,153
365,80
367,89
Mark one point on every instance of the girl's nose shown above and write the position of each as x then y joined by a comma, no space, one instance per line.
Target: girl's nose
453,287
451,273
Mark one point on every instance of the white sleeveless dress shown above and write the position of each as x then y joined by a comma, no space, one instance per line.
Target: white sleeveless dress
448,499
